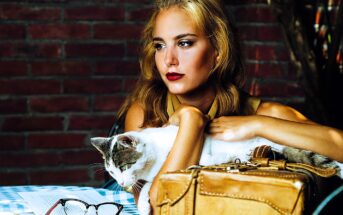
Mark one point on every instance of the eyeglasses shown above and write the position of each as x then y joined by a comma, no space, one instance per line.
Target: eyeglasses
79,207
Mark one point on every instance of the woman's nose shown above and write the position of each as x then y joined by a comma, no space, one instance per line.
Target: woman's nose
170,57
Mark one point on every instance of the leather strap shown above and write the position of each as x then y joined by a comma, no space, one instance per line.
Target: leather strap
283,165
171,202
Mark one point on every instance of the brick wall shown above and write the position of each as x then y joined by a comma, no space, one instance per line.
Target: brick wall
66,67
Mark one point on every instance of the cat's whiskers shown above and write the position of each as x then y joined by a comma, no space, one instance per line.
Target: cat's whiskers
99,171
99,168
138,186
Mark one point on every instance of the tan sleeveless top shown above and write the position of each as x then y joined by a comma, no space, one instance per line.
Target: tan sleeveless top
250,105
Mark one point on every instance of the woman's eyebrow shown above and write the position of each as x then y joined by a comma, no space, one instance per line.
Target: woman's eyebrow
185,35
176,38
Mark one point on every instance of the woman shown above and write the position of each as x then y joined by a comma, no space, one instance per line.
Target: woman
192,75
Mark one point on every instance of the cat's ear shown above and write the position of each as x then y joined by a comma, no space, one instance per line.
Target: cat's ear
101,144
127,141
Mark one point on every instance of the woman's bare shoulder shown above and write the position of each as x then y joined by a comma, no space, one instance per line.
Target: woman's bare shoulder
281,111
134,117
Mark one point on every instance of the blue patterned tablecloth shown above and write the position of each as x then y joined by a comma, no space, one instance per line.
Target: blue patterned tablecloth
12,203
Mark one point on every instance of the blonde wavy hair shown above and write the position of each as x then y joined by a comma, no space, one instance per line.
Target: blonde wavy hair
227,76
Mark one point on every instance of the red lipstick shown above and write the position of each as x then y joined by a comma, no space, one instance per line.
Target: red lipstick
173,76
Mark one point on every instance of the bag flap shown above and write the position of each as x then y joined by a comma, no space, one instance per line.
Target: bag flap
173,186
280,190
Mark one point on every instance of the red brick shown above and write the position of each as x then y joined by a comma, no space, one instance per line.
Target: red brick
141,14
108,103
19,12
10,106
30,159
274,89
133,49
56,141
61,68
63,176
12,32
267,70
90,122
39,50
12,142
94,13
13,68
81,157
59,31
32,123
6,50
27,87
92,85
94,50
266,52
128,68
122,31
12,178
59,104
260,33
26,50
255,14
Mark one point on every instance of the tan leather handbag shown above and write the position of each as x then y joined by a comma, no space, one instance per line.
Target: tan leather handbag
260,187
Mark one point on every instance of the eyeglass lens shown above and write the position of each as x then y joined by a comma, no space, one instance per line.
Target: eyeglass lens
74,207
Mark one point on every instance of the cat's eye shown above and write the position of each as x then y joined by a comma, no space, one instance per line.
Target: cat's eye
125,167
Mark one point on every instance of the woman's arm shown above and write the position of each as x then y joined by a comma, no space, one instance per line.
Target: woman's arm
283,125
187,146
134,117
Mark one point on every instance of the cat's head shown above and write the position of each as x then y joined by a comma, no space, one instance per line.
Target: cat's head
125,157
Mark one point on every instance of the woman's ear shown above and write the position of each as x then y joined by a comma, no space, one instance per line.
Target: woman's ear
217,57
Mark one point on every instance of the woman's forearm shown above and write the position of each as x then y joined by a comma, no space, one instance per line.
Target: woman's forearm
317,138
186,150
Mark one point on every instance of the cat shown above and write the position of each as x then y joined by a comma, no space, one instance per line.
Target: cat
139,155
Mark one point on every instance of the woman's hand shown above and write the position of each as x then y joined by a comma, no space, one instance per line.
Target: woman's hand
235,128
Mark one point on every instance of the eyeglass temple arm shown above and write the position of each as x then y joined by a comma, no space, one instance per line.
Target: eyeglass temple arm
52,208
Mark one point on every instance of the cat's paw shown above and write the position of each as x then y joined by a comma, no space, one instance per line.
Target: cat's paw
143,206
144,209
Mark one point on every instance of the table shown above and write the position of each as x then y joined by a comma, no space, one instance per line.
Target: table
12,203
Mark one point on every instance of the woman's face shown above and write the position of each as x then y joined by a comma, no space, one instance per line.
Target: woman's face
184,55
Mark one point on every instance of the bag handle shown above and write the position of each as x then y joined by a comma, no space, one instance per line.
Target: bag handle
262,151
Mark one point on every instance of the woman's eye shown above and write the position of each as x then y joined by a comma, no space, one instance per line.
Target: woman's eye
185,43
158,46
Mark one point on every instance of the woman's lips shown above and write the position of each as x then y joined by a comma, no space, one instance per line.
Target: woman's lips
173,76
